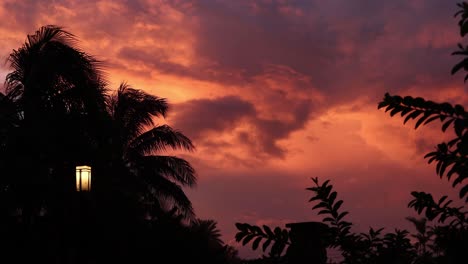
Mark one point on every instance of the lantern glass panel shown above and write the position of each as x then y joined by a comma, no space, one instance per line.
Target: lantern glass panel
83,178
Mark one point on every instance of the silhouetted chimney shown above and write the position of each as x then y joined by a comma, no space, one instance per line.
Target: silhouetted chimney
307,244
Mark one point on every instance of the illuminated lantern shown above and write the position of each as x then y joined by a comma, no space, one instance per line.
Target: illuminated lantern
83,178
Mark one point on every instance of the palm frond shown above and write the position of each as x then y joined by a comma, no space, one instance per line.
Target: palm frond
50,33
21,60
161,187
208,229
49,64
159,139
172,167
134,110
36,42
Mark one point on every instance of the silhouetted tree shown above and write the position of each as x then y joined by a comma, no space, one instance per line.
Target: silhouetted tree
51,113
450,241
423,234
372,247
175,240
137,146
55,114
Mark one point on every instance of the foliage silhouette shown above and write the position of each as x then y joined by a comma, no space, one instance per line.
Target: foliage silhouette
424,201
328,205
434,244
451,157
134,142
358,248
196,241
423,236
373,247
463,25
279,237
448,242
54,102
57,113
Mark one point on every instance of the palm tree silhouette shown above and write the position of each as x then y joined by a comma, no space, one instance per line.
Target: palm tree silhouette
55,114
208,230
51,117
51,76
136,142
56,98
58,95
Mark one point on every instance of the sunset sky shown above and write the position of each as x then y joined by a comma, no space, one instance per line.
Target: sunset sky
274,92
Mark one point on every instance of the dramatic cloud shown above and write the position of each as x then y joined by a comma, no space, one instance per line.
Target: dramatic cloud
218,115
274,92
207,120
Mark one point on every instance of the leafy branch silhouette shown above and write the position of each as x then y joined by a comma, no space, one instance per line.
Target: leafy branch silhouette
279,237
463,25
371,247
328,205
441,209
451,157
451,160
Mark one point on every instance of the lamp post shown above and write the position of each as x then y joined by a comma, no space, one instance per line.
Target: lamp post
83,178
83,188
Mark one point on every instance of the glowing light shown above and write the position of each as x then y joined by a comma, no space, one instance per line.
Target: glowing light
83,178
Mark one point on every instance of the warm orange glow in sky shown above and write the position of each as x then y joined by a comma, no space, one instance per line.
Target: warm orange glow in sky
274,92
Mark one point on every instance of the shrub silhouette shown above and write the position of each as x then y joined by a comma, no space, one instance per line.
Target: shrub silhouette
441,243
